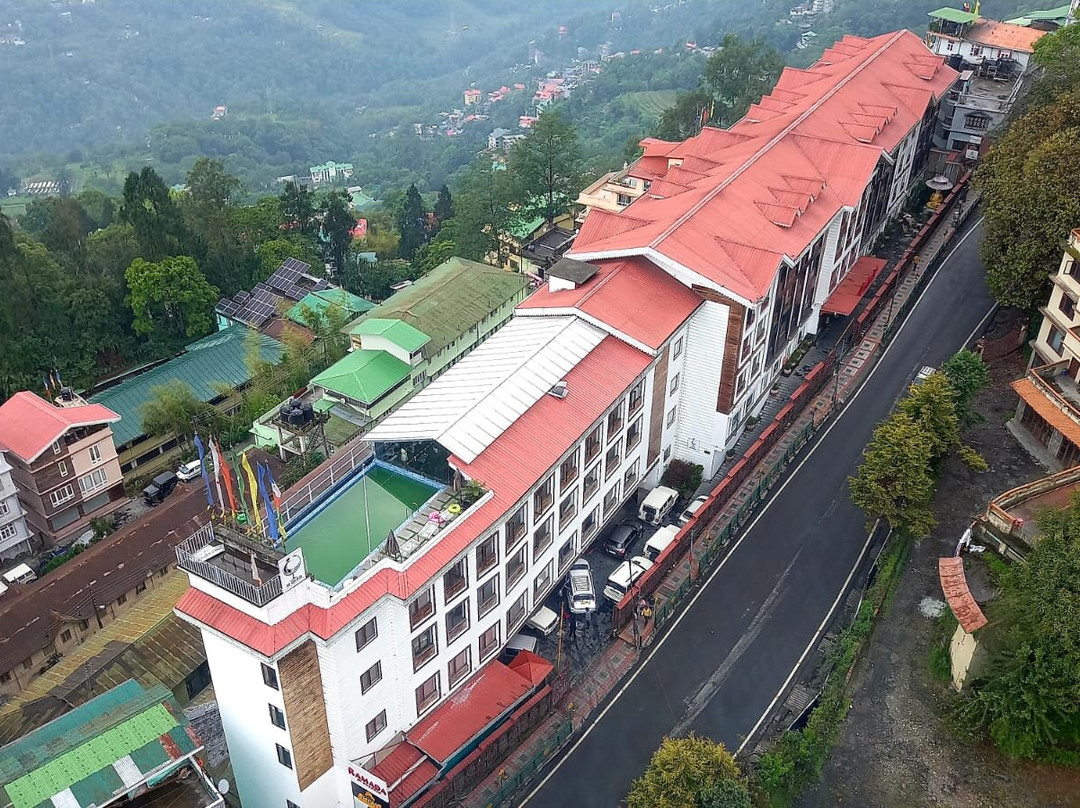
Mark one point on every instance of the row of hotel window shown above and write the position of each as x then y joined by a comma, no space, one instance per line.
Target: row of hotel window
88,483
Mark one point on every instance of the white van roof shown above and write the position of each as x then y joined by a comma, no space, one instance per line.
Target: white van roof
659,495
14,574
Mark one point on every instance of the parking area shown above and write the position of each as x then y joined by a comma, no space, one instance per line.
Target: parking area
582,641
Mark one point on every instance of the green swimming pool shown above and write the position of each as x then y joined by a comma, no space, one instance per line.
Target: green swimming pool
356,520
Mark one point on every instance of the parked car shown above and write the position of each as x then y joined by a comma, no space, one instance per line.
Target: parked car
544,620
621,539
657,505
580,594
159,488
624,577
925,372
189,471
691,509
659,541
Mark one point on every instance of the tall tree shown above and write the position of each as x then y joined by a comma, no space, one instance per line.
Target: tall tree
298,207
738,75
172,409
338,224
1031,200
210,186
411,223
686,116
546,167
967,374
692,772
170,297
444,205
932,405
1058,54
483,216
894,481
148,207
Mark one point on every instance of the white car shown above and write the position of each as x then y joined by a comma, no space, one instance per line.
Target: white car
189,471
925,372
580,594
624,577
691,509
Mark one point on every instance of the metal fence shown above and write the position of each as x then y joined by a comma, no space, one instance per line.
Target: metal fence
512,784
325,476
187,558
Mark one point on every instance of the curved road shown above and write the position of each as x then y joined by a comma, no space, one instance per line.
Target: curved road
726,657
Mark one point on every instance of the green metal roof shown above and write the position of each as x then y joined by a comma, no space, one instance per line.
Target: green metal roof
319,302
448,301
953,15
212,361
363,375
522,230
1060,15
401,334
77,751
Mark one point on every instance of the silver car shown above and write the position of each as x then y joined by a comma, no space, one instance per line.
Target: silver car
580,594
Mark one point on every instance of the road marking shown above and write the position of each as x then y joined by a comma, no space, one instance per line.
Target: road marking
738,542
814,640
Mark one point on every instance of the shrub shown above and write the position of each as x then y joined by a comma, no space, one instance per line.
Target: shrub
683,477
972,459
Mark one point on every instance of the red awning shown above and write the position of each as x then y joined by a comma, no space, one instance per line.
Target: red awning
533,667
846,296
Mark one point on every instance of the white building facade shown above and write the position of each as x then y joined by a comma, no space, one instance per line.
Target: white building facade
15,536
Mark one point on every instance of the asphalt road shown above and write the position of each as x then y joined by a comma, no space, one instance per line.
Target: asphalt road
723,661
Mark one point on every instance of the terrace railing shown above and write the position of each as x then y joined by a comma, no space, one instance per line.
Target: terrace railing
325,476
192,556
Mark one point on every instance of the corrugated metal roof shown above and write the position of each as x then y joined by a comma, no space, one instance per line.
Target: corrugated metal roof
1047,410
363,375
29,424
401,334
320,301
778,176
451,299
212,361
141,728
487,696
471,404
631,295
955,587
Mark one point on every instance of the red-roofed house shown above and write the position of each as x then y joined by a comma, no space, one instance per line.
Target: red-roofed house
63,462
653,340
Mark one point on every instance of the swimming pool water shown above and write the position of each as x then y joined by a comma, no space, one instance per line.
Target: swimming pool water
355,521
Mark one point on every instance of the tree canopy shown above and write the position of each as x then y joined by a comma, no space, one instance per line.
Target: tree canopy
1028,699
170,295
546,168
691,772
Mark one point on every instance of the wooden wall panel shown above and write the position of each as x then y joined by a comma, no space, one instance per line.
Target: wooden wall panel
305,711
729,371
656,419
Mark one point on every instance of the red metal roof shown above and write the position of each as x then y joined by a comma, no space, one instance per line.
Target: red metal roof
509,467
767,186
398,763
847,294
417,779
954,585
632,295
29,424
492,691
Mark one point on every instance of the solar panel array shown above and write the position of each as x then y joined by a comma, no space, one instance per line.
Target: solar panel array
291,280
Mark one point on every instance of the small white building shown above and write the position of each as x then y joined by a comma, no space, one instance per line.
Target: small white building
15,536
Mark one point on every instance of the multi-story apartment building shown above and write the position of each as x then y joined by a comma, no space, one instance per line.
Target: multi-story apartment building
995,61
15,537
63,462
1048,413
653,340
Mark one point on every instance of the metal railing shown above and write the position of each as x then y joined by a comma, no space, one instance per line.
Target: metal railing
187,559
323,478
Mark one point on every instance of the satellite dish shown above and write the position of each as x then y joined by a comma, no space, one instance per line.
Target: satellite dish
223,786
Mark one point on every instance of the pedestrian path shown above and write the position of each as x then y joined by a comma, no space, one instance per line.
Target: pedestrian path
620,656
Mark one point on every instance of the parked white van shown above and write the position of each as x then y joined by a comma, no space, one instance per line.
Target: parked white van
624,576
22,574
659,541
657,505
545,621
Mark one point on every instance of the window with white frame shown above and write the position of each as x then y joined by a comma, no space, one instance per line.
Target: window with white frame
611,500
637,396
671,416
631,476
592,483
677,349
515,527
9,530
566,551
593,444
422,607
366,633
424,647
516,567
375,726
95,454
674,383
457,620
62,495
633,435
567,510
62,466
591,523
4,508
612,458
371,677
91,482
543,536
487,554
